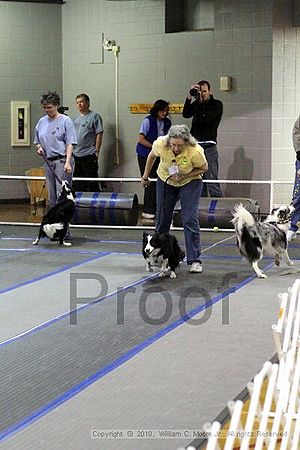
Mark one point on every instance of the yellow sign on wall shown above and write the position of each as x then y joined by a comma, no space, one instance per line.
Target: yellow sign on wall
144,108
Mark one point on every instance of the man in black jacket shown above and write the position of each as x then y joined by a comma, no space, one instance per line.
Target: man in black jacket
206,112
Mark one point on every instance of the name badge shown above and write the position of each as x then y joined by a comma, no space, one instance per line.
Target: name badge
173,170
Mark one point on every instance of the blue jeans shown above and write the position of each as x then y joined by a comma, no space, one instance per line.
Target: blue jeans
189,195
296,198
212,157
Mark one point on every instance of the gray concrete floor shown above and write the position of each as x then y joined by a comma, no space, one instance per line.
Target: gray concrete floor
133,375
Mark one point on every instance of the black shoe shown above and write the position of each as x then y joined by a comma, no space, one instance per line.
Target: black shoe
68,235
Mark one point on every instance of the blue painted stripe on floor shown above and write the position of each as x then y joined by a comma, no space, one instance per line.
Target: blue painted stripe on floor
119,361
79,309
55,272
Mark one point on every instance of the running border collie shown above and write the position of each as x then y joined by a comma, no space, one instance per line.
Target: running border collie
162,250
256,238
55,223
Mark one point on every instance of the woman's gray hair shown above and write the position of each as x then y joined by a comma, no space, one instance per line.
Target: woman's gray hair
181,132
50,98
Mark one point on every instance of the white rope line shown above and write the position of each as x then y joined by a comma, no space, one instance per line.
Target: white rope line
219,242
24,177
116,227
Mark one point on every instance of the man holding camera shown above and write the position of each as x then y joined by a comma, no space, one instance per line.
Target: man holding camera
206,112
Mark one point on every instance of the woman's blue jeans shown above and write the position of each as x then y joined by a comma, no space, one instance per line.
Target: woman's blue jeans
189,196
296,199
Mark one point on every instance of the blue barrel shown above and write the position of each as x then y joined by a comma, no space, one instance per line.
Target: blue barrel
105,208
217,212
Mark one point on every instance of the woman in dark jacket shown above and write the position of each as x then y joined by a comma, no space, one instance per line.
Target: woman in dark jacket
155,125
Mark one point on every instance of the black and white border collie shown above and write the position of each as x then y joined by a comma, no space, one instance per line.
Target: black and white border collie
256,238
55,223
162,250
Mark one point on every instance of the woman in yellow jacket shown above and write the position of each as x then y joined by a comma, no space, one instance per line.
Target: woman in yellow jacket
182,164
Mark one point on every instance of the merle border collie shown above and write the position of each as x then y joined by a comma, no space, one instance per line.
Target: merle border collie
256,238
55,223
162,250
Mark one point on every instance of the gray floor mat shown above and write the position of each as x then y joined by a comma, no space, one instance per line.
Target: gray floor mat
46,364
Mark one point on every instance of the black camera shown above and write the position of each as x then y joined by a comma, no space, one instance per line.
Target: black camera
63,109
194,92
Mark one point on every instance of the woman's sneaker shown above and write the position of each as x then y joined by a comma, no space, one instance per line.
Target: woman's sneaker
148,216
196,267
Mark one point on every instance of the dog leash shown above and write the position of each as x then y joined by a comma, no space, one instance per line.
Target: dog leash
51,168
60,181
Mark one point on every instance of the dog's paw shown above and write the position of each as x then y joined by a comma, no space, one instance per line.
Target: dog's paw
35,242
262,275
67,244
162,274
172,274
149,269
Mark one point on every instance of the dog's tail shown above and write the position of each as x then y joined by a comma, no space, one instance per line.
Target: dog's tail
51,228
241,218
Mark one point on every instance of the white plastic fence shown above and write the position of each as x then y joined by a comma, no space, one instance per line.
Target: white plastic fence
273,415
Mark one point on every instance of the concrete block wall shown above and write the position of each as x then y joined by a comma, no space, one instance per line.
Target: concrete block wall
285,96
154,65
30,62
243,38
45,46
